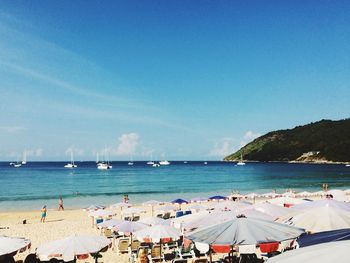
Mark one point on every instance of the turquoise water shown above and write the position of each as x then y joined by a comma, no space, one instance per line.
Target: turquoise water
39,183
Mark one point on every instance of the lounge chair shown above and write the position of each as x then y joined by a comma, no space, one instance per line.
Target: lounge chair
123,245
136,218
179,260
156,255
166,215
188,212
108,233
134,247
185,253
160,215
200,260
179,214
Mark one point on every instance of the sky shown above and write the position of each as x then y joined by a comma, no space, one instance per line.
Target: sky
179,80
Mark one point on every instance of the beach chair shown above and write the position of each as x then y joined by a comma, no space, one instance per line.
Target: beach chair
171,245
123,245
179,214
136,218
108,233
166,215
200,260
185,253
188,212
160,215
179,260
134,247
156,255
127,218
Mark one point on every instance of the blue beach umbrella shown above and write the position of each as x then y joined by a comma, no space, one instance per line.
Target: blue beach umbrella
179,201
217,197
324,237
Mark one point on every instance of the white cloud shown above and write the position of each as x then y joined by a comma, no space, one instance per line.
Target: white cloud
248,137
222,148
128,143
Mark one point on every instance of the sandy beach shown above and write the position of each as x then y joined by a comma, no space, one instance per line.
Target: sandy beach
60,224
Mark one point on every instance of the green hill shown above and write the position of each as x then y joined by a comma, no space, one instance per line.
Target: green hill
322,141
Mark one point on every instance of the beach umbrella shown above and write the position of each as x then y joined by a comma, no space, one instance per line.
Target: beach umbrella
151,221
94,207
322,253
179,201
304,194
288,194
181,222
198,199
9,245
129,227
217,197
324,203
270,209
101,213
152,202
244,231
166,208
286,201
251,195
230,205
72,246
270,194
197,207
120,205
236,196
319,219
109,223
324,237
158,232
132,211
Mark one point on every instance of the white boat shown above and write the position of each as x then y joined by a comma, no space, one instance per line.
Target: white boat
71,164
155,165
130,163
104,166
185,161
205,163
348,165
24,160
164,162
17,165
241,163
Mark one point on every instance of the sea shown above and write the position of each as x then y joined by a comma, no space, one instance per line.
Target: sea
41,183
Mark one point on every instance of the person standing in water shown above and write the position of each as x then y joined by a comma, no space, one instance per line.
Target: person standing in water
43,214
60,204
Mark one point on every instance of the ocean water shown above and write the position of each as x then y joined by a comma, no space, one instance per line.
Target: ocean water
41,183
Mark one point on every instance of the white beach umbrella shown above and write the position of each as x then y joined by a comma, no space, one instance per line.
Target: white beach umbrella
304,194
323,203
72,246
182,221
230,205
319,193
251,195
198,199
129,227
271,209
120,205
158,232
101,213
94,207
132,211
322,253
9,245
319,219
236,195
166,208
281,201
109,223
151,221
270,194
245,231
152,202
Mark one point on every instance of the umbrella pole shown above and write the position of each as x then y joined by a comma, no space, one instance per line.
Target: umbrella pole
210,255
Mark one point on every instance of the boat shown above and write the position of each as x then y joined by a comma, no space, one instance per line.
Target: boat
71,164
17,165
205,163
348,165
241,163
24,160
164,162
151,161
131,163
104,166
185,161
155,165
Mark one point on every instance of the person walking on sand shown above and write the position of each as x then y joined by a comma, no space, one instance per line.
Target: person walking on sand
60,204
43,214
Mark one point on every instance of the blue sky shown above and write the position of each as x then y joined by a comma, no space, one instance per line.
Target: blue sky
181,79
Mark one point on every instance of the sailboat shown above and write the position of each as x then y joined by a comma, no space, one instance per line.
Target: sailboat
104,165
151,161
24,159
97,157
131,162
164,162
241,161
71,164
